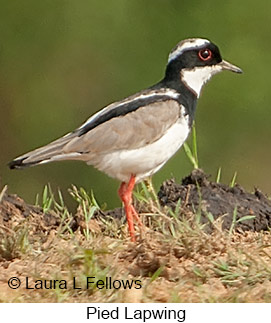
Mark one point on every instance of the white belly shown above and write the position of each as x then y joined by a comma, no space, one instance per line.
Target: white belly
146,160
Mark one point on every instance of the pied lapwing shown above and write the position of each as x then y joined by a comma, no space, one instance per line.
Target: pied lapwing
132,139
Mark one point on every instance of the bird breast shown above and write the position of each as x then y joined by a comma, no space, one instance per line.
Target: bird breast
146,160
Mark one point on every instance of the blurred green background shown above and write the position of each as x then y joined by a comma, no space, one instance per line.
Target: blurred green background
62,60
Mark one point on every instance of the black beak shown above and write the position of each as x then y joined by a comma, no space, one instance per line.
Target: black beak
230,67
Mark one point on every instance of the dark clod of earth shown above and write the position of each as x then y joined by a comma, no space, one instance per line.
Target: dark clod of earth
195,193
198,194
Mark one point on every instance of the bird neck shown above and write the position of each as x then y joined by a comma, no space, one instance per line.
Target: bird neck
187,97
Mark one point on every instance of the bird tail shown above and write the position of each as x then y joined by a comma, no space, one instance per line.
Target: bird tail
52,152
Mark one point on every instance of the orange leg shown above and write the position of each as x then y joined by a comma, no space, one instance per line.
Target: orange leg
125,193
136,216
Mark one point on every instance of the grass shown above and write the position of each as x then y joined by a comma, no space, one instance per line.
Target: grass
192,153
242,219
175,260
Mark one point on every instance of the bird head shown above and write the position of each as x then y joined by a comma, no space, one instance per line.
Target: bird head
195,61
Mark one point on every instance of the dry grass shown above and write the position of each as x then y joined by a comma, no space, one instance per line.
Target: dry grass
175,260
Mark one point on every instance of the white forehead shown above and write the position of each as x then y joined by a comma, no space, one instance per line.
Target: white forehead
187,45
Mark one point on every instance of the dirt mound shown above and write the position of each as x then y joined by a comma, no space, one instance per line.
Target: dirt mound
20,222
199,195
13,207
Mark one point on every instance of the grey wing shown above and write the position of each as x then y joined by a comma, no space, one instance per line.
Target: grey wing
133,130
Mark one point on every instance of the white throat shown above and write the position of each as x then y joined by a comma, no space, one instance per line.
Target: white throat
195,78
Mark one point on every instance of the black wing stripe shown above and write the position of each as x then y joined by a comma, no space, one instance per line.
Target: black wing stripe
122,110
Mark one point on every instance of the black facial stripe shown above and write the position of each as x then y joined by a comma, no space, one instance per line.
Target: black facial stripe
191,59
122,110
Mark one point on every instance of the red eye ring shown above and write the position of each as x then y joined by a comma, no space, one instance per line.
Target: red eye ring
205,54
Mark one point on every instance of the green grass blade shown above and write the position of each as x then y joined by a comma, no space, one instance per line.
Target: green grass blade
246,217
234,216
157,273
190,156
195,148
233,181
218,176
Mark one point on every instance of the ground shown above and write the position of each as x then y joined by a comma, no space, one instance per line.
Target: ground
203,242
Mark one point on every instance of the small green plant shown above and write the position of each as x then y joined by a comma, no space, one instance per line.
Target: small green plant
142,194
210,217
88,205
47,199
14,242
145,192
88,262
66,217
176,215
176,212
157,273
150,188
82,197
235,221
228,274
200,273
49,203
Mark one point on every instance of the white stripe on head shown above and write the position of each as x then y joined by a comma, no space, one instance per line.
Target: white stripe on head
186,45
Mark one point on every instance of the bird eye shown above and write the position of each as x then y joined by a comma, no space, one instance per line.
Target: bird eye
205,54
